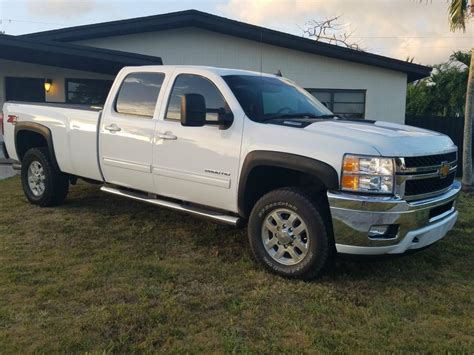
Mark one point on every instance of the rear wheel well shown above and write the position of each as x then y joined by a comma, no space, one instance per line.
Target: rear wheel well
263,179
25,140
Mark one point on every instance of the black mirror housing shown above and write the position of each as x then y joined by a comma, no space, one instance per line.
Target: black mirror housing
193,110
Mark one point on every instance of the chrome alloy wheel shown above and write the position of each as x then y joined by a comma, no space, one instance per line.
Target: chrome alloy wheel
285,236
36,178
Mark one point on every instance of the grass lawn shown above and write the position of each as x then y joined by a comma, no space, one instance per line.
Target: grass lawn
105,274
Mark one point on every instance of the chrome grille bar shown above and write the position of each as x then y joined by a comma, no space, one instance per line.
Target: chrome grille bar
432,174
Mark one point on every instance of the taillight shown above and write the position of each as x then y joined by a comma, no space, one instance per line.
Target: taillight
2,130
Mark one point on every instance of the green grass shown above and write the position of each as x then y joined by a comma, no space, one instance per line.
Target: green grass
104,274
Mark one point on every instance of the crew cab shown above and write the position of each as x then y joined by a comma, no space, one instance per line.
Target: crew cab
245,148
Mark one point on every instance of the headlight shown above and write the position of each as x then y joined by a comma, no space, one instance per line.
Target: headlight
367,174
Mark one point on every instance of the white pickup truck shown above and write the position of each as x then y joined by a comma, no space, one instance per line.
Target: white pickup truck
243,147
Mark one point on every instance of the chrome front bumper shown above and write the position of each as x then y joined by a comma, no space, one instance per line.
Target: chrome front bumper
354,215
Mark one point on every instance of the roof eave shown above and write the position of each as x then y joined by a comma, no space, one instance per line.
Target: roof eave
193,18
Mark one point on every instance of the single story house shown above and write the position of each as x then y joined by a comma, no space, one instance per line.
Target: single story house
77,64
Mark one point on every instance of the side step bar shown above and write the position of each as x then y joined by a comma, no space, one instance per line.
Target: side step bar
201,212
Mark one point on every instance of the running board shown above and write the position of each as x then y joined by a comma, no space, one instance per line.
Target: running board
201,212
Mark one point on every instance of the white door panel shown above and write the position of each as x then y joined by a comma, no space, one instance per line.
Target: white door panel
201,164
192,177
127,129
126,155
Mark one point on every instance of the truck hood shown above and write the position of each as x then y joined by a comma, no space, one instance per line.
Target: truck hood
389,139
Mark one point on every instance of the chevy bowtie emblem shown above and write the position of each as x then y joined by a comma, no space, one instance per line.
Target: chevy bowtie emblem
444,170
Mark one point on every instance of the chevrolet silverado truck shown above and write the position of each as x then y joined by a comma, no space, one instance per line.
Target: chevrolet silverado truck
245,148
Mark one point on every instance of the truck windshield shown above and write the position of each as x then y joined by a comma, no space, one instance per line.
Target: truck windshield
266,98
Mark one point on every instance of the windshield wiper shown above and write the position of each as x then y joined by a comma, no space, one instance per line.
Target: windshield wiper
298,115
329,116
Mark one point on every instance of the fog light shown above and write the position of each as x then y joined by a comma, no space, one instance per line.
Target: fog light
383,231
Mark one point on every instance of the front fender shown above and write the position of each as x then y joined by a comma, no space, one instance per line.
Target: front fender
321,170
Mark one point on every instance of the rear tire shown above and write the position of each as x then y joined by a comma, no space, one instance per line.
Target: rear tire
42,184
290,236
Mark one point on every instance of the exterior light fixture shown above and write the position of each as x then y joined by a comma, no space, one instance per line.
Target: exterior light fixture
47,84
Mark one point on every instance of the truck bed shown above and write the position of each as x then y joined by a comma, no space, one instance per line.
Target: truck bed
73,129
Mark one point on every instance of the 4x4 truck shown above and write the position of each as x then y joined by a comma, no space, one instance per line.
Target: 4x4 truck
243,147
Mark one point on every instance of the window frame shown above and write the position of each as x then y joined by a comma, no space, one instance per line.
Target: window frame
66,91
165,114
114,106
335,91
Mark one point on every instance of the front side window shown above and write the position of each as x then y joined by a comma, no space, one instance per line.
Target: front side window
138,94
344,103
87,91
195,84
264,98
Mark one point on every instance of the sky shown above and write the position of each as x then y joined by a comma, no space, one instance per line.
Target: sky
394,28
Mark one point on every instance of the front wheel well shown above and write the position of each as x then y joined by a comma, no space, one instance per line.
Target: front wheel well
263,179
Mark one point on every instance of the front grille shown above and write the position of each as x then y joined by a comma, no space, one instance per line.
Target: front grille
422,177
430,160
426,186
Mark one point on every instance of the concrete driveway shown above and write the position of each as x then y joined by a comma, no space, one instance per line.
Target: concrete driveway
6,171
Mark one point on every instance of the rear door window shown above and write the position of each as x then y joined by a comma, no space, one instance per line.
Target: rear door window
138,94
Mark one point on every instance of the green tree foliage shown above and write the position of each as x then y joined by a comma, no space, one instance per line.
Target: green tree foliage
444,92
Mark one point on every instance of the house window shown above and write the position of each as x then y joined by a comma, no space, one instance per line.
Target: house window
24,89
344,103
87,91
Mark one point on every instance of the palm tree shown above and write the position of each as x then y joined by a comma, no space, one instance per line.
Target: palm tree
459,13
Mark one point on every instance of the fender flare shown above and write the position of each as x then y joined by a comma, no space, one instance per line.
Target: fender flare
321,170
44,131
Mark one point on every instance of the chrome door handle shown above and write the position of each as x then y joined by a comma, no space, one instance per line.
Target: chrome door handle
167,135
113,128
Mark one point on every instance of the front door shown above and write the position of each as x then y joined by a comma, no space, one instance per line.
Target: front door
198,164
127,130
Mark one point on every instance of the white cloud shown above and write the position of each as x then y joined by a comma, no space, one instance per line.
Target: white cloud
61,8
396,28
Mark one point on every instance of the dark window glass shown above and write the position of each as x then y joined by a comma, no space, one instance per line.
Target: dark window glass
139,93
24,89
195,84
87,91
264,98
344,103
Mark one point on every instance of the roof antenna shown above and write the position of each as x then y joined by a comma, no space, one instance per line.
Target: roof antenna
278,73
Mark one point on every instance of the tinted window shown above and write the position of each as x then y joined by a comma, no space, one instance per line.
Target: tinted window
344,103
24,89
139,93
264,98
195,84
87,91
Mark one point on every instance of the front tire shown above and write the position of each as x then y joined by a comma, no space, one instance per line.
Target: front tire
290,236
42,184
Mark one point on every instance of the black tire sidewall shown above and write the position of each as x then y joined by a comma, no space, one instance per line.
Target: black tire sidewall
294,200
53,181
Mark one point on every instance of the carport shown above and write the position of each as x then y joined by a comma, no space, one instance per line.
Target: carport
27,64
